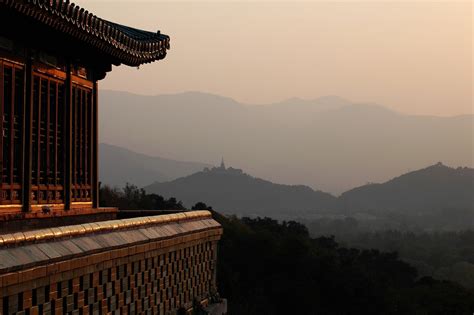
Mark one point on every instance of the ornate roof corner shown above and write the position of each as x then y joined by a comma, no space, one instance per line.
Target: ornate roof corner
125,44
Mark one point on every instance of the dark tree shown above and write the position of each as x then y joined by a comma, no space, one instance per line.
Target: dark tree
201,206
133,198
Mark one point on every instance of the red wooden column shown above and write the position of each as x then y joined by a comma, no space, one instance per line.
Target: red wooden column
1,126
68,140
27,136
95,145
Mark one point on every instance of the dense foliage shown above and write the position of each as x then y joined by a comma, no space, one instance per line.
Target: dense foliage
447,255
270,268
133,198
267,267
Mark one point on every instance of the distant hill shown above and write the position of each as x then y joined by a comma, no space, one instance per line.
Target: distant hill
232,191
119,166
433,188
327,143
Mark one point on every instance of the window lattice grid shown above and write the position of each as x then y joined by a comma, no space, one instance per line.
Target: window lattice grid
11,108
48,141
82,143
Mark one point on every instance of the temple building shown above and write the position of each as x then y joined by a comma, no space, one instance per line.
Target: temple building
60,252
52,55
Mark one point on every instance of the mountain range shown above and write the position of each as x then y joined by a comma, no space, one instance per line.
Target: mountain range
437,187
430,189
327,143
119,166
232,191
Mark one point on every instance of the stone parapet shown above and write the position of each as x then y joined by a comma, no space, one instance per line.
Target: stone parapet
88,229
158,264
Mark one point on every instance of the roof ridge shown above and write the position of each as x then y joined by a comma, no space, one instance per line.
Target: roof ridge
55,233
132,46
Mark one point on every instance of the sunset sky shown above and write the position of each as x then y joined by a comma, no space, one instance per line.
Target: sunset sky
412,56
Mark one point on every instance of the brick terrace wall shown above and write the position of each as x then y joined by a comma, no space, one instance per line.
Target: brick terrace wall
130,266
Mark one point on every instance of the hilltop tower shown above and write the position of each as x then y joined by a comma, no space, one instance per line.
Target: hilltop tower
222,164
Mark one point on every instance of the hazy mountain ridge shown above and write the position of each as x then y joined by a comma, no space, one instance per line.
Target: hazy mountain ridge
434,188
233,191
119,166
328,143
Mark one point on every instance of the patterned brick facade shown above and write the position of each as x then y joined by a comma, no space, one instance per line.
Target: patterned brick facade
152,265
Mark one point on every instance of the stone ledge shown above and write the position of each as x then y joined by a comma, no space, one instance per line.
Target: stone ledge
27,251
55,233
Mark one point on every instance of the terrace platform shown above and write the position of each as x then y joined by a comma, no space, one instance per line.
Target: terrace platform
163,264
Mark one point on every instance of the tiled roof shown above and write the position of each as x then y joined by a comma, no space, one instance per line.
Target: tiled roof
28,249
55,233
128,45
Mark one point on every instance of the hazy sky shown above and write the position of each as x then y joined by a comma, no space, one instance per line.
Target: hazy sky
412,56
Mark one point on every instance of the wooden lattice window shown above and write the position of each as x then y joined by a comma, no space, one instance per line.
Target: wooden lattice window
82,144
11,111
48,130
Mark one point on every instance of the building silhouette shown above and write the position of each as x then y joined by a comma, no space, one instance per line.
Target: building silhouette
60,252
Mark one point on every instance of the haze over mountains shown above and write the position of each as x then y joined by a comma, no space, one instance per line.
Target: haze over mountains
429,190
328,143
119,166
232,191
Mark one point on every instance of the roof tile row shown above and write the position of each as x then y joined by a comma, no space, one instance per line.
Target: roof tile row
35,236
131,46
33,254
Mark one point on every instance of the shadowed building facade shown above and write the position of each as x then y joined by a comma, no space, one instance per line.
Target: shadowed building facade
60,252
52,54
